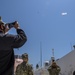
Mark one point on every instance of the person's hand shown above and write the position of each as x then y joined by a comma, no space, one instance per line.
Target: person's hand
16,25
6,28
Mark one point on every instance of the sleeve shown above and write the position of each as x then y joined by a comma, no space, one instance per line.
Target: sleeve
58,70
49,70
19,39
17,72
30,70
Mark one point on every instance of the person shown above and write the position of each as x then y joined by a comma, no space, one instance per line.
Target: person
7,43
74,73
54,69
24,68
37,66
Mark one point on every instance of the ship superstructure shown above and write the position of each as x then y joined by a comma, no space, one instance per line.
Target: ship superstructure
66,63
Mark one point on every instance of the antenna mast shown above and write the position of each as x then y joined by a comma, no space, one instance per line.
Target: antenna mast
40,54
53,52
52,58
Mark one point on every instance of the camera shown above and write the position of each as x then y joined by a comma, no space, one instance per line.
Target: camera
10,25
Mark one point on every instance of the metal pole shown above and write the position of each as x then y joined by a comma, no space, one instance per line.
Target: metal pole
53,52
40,54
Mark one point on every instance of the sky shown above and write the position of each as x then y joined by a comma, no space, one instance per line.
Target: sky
47,23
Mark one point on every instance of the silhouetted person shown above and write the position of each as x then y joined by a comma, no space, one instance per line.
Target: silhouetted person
74,73
54,69
7,43
37,66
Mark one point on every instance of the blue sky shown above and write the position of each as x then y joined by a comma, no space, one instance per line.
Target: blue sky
42,22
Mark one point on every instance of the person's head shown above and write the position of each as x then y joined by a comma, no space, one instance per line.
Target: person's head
25,57
2,27
54,65
53,60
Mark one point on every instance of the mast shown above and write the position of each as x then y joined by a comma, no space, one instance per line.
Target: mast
40,54
53,52
52,58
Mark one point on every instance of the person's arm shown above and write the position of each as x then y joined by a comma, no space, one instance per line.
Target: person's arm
17,72
30,70
20,38
58,69
49,70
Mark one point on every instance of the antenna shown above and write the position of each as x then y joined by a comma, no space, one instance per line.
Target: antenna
40,54
52,58
53,52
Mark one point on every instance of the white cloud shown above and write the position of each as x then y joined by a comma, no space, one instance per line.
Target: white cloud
64,13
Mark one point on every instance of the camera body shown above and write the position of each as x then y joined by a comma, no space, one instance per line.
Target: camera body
10,25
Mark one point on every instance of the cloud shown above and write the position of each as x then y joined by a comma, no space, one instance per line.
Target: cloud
64,13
